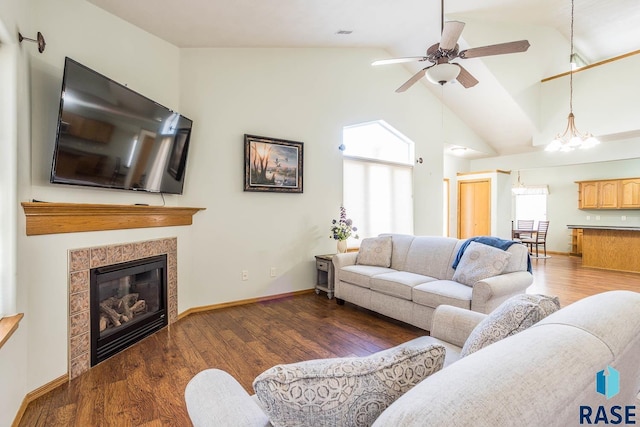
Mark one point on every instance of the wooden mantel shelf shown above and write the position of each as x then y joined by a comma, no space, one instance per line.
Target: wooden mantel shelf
54,218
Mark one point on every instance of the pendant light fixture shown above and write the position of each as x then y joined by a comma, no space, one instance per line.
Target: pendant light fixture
571,138
519,188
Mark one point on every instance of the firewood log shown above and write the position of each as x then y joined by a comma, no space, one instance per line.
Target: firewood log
124,305
110,302
111,314
139,307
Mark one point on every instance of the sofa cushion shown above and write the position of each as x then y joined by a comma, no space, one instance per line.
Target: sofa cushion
438,292
401,243
479,262
360,275
519,260
349,391
375,251
431,256
512,316
398,283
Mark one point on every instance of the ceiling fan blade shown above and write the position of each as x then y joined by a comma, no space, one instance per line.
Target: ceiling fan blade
399,60
495,49
450,34
465,78
413,80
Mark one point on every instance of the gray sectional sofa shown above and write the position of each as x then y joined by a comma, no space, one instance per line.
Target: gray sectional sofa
406,277
544,375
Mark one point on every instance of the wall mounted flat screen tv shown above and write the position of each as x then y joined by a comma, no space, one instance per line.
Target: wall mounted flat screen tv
110,136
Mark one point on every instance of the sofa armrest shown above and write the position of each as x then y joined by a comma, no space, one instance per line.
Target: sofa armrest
491,292
342,260
454,324
215,398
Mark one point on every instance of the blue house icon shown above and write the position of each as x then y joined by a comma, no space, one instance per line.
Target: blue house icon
608,382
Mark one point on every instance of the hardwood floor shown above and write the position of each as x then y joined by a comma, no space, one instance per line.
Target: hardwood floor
565,277
144,385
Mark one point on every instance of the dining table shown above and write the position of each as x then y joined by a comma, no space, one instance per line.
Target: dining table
515,233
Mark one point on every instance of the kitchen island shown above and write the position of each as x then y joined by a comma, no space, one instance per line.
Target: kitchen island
610,247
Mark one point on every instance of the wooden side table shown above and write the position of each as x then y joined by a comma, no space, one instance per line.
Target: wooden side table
324,275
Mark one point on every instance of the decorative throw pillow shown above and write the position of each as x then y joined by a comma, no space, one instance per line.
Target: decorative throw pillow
480,261
375,251
344,391
512,316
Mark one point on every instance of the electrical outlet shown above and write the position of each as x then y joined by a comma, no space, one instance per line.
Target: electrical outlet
588,217
245,274
624,218
273,272
597,217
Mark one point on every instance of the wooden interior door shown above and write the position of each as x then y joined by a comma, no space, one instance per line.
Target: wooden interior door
474,208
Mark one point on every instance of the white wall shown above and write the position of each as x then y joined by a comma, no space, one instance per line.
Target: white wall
109,45
305,95
605,100
13,72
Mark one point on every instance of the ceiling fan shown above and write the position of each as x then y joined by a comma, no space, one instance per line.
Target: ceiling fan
441,70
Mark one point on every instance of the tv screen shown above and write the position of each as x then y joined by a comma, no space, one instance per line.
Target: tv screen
110,136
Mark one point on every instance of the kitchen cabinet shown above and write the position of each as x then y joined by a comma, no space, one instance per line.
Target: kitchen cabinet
630,193
609,194
609,247
588,195
576,242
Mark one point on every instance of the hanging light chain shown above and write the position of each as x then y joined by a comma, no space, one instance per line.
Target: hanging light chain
571,138
570,64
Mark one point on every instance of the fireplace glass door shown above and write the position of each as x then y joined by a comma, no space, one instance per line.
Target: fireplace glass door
128,303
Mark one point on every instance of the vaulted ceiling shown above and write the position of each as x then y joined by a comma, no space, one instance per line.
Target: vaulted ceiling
495,109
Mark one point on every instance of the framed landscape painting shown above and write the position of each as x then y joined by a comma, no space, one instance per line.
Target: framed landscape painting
272,164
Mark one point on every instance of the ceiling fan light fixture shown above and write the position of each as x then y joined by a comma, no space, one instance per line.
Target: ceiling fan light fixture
442,73
439,54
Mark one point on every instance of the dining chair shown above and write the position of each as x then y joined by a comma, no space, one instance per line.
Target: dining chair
538,239
522,224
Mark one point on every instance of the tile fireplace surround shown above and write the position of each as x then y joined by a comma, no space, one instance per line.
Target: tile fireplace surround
81,261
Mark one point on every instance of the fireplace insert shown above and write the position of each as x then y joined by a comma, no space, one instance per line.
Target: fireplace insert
128,303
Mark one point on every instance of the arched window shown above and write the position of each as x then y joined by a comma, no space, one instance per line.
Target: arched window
378,178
